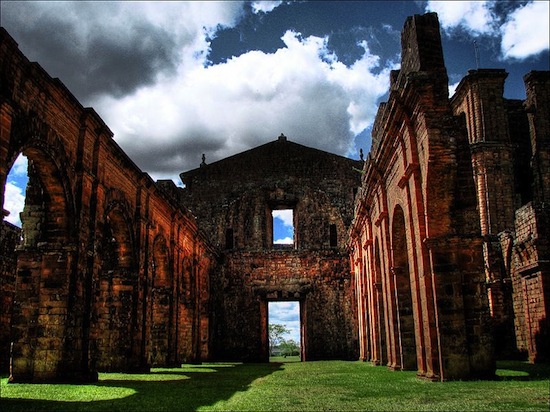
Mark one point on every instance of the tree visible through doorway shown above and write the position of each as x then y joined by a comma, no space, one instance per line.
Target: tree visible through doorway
284,328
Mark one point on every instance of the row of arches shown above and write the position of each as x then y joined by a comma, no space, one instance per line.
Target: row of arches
418,268
105,274
386,304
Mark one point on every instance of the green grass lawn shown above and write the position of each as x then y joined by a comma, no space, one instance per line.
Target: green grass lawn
326,385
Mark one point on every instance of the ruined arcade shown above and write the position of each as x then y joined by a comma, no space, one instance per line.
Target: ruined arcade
111,274
450,235
431,255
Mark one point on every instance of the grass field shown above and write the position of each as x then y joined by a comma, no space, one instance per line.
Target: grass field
326,385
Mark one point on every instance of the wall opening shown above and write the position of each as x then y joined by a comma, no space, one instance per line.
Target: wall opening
405,315
333,236
285,331
283,227
45,257
10,238
162,305
380,353
14,193
115,347
229,239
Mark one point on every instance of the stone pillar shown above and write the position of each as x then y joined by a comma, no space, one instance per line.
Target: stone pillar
480,98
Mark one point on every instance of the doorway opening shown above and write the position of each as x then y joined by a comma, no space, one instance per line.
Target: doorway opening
285,331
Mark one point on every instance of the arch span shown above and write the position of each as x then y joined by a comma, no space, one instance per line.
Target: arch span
84,273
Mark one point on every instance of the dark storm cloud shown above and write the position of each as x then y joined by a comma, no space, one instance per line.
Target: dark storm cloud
181,154
119,68
88,58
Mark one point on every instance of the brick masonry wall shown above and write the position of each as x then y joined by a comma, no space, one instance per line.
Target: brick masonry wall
415,222
88,291
239,193
9,238
529,267
319,280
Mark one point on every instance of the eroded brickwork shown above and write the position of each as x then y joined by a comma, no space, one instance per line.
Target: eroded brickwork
233,200
432,255
449,239
10,237
112,273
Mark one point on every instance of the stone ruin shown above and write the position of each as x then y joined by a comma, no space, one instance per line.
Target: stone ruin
431,255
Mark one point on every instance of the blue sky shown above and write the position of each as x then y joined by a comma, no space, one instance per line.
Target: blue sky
174,80
286,313
283,227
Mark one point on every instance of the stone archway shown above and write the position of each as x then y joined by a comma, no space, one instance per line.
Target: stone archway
380,355
116,302
45,290
188,333
402,282
162,305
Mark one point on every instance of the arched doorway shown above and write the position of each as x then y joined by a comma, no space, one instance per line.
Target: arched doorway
401,274
187,327
116,303
10,239
162,305
45,291
380,354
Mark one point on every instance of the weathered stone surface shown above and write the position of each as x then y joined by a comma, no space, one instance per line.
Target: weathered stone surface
10,237
100,274
237,195
433,255
439,216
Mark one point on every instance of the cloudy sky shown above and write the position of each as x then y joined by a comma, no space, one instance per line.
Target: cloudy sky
174,80
287,314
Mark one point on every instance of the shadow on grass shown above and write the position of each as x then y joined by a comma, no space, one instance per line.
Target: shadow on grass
522,371
184,389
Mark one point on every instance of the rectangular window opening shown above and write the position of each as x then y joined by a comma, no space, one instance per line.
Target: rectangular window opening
283,227
333,236
229,239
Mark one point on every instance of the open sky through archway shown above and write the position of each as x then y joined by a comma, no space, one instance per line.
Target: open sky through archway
14,195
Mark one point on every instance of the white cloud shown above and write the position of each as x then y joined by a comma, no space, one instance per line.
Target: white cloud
300,90
526,31
14,197
265,6
285,241
288,314
452,88
476,17
144,67
285,215
20,166
14,202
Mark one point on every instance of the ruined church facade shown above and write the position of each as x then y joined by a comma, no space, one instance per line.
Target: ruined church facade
449,242
431,255
234,200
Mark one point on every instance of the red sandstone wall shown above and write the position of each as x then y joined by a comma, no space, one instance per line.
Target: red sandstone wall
320,281
9,238
458,171
239,193
101,274
417,253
